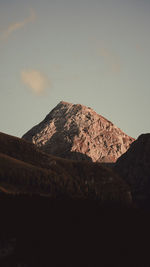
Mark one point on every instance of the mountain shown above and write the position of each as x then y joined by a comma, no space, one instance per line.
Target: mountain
53,206
77,132
134,167
59,212
26,169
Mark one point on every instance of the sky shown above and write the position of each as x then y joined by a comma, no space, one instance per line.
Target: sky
92,52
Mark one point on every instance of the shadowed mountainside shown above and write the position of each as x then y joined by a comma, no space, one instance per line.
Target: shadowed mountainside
32,171
66,213
134,167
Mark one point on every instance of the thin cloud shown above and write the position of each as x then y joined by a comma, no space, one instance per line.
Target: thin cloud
35,80
56,67
17,25
111,59
138,47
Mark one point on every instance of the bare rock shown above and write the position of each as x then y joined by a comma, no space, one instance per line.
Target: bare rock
77,132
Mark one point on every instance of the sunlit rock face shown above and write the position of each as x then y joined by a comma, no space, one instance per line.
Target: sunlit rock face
77,132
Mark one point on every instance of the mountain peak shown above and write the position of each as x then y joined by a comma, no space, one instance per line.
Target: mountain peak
78,132
69,105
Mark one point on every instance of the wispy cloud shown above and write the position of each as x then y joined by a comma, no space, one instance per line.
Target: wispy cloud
17,25
35,80
111,59
138,47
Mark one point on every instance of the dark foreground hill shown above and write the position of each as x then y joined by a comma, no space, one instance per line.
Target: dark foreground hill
25,169
56,212
134,167
78,132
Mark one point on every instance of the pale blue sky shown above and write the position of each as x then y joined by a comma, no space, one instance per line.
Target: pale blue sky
93,52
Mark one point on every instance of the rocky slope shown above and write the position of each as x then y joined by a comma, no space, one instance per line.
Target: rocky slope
134,167
78,132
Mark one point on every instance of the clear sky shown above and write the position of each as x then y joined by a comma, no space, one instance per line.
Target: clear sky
92,52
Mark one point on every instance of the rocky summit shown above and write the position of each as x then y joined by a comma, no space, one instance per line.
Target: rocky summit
77,132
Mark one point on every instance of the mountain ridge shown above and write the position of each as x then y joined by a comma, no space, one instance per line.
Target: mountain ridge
134,167
26,169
